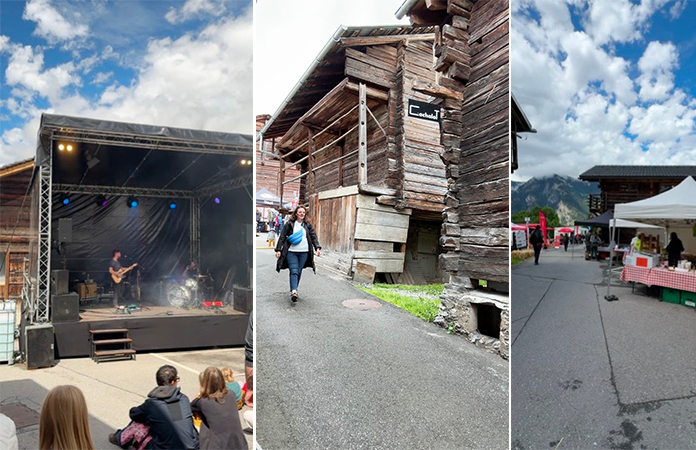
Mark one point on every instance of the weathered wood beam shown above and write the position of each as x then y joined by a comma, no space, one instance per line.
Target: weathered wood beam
311,178
371,92
436,5
362,135
368,189
435,90
361,41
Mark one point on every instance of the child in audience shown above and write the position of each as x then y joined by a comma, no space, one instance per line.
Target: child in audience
271,238
233,385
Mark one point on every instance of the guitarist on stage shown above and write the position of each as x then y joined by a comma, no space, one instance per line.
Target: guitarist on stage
117,272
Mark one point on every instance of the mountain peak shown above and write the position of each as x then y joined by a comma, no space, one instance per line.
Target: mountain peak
567,195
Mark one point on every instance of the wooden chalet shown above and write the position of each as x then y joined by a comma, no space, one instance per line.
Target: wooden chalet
623,184
368,148
520,124
471,52
15,230
268,164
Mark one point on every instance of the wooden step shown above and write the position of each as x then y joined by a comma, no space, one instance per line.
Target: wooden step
114,330
113,341
123,351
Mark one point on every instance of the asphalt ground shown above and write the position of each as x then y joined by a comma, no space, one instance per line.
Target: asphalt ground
333,377
110,388
587,373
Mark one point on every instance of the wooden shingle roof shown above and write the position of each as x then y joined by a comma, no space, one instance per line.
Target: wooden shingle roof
646,172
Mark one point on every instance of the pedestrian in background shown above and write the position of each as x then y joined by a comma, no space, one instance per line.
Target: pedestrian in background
537,241
295,249
674,249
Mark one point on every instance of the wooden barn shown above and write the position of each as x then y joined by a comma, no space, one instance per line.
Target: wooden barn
472,64
368,148
15,230
520,124
267,165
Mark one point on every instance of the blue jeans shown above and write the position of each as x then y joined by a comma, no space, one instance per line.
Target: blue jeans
296,262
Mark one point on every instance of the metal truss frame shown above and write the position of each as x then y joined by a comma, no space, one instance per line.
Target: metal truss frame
195,230
139,141
122,191
42,300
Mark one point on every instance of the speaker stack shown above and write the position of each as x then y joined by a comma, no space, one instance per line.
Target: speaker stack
65,308
39,346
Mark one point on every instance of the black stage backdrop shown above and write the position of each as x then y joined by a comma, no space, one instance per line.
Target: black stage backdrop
155,236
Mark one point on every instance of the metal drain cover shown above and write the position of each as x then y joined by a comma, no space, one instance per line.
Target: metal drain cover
362,304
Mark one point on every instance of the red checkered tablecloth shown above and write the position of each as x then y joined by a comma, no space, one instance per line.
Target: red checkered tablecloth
683,281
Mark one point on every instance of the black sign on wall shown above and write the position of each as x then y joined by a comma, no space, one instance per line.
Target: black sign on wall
423,110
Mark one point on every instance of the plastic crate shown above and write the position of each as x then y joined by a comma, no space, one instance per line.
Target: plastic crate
688,299
7,329
671,295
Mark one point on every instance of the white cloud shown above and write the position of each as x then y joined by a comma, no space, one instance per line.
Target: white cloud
656,65
201,80
195,8
25,68
51,24
589,105
102,77
4,43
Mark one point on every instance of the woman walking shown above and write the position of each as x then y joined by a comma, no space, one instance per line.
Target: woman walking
295,248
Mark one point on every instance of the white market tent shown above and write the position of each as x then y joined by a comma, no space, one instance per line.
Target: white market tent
674,206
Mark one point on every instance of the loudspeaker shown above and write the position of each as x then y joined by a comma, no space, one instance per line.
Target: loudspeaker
39,346
243,300
64,230
59,281
65,308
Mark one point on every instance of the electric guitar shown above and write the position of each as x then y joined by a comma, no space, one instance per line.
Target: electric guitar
118,276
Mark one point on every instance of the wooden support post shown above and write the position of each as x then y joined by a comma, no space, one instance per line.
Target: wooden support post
362,135
310,163
281,180
341,149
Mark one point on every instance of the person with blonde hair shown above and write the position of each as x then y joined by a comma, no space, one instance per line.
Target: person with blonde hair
232,385
64,421
220,427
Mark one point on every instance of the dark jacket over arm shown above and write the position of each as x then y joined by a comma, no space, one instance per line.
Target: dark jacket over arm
283,246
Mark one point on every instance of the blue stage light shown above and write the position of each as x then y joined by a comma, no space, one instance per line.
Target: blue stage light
66,200
172,205
132,202
217,200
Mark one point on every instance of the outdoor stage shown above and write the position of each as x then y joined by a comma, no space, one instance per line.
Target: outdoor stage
154,328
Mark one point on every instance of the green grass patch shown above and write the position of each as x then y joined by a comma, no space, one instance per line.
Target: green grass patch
421,301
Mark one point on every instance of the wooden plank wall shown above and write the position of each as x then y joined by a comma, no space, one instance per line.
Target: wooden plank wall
335,221
482,187
424,181
328,177
377,229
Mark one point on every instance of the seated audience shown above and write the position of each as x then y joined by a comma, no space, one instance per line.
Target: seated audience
163,421
233,385
64,421
220,426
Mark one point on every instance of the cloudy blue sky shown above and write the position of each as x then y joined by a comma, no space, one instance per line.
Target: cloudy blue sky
604,82
184,63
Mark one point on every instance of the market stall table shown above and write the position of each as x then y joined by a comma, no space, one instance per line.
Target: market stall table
658,276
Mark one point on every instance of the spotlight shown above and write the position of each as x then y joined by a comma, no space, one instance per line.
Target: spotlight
132,202
245,162
101,200
172,205
69,148
61,147
65,200
217,200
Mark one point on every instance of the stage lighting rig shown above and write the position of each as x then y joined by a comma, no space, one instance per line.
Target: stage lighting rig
65,200
66,146
245,162
172,205
132,202
101,200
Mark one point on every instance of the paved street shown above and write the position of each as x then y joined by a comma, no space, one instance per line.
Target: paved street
333,377
111,388
587,373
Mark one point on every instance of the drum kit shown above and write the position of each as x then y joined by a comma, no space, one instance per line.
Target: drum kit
191,292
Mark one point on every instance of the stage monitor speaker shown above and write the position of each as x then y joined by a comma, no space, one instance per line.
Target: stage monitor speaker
65,308
64,230
59,281
39,346
243,299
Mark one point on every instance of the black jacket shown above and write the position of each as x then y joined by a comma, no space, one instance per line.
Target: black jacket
536,238
674,249
220,424
283,245
168,413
